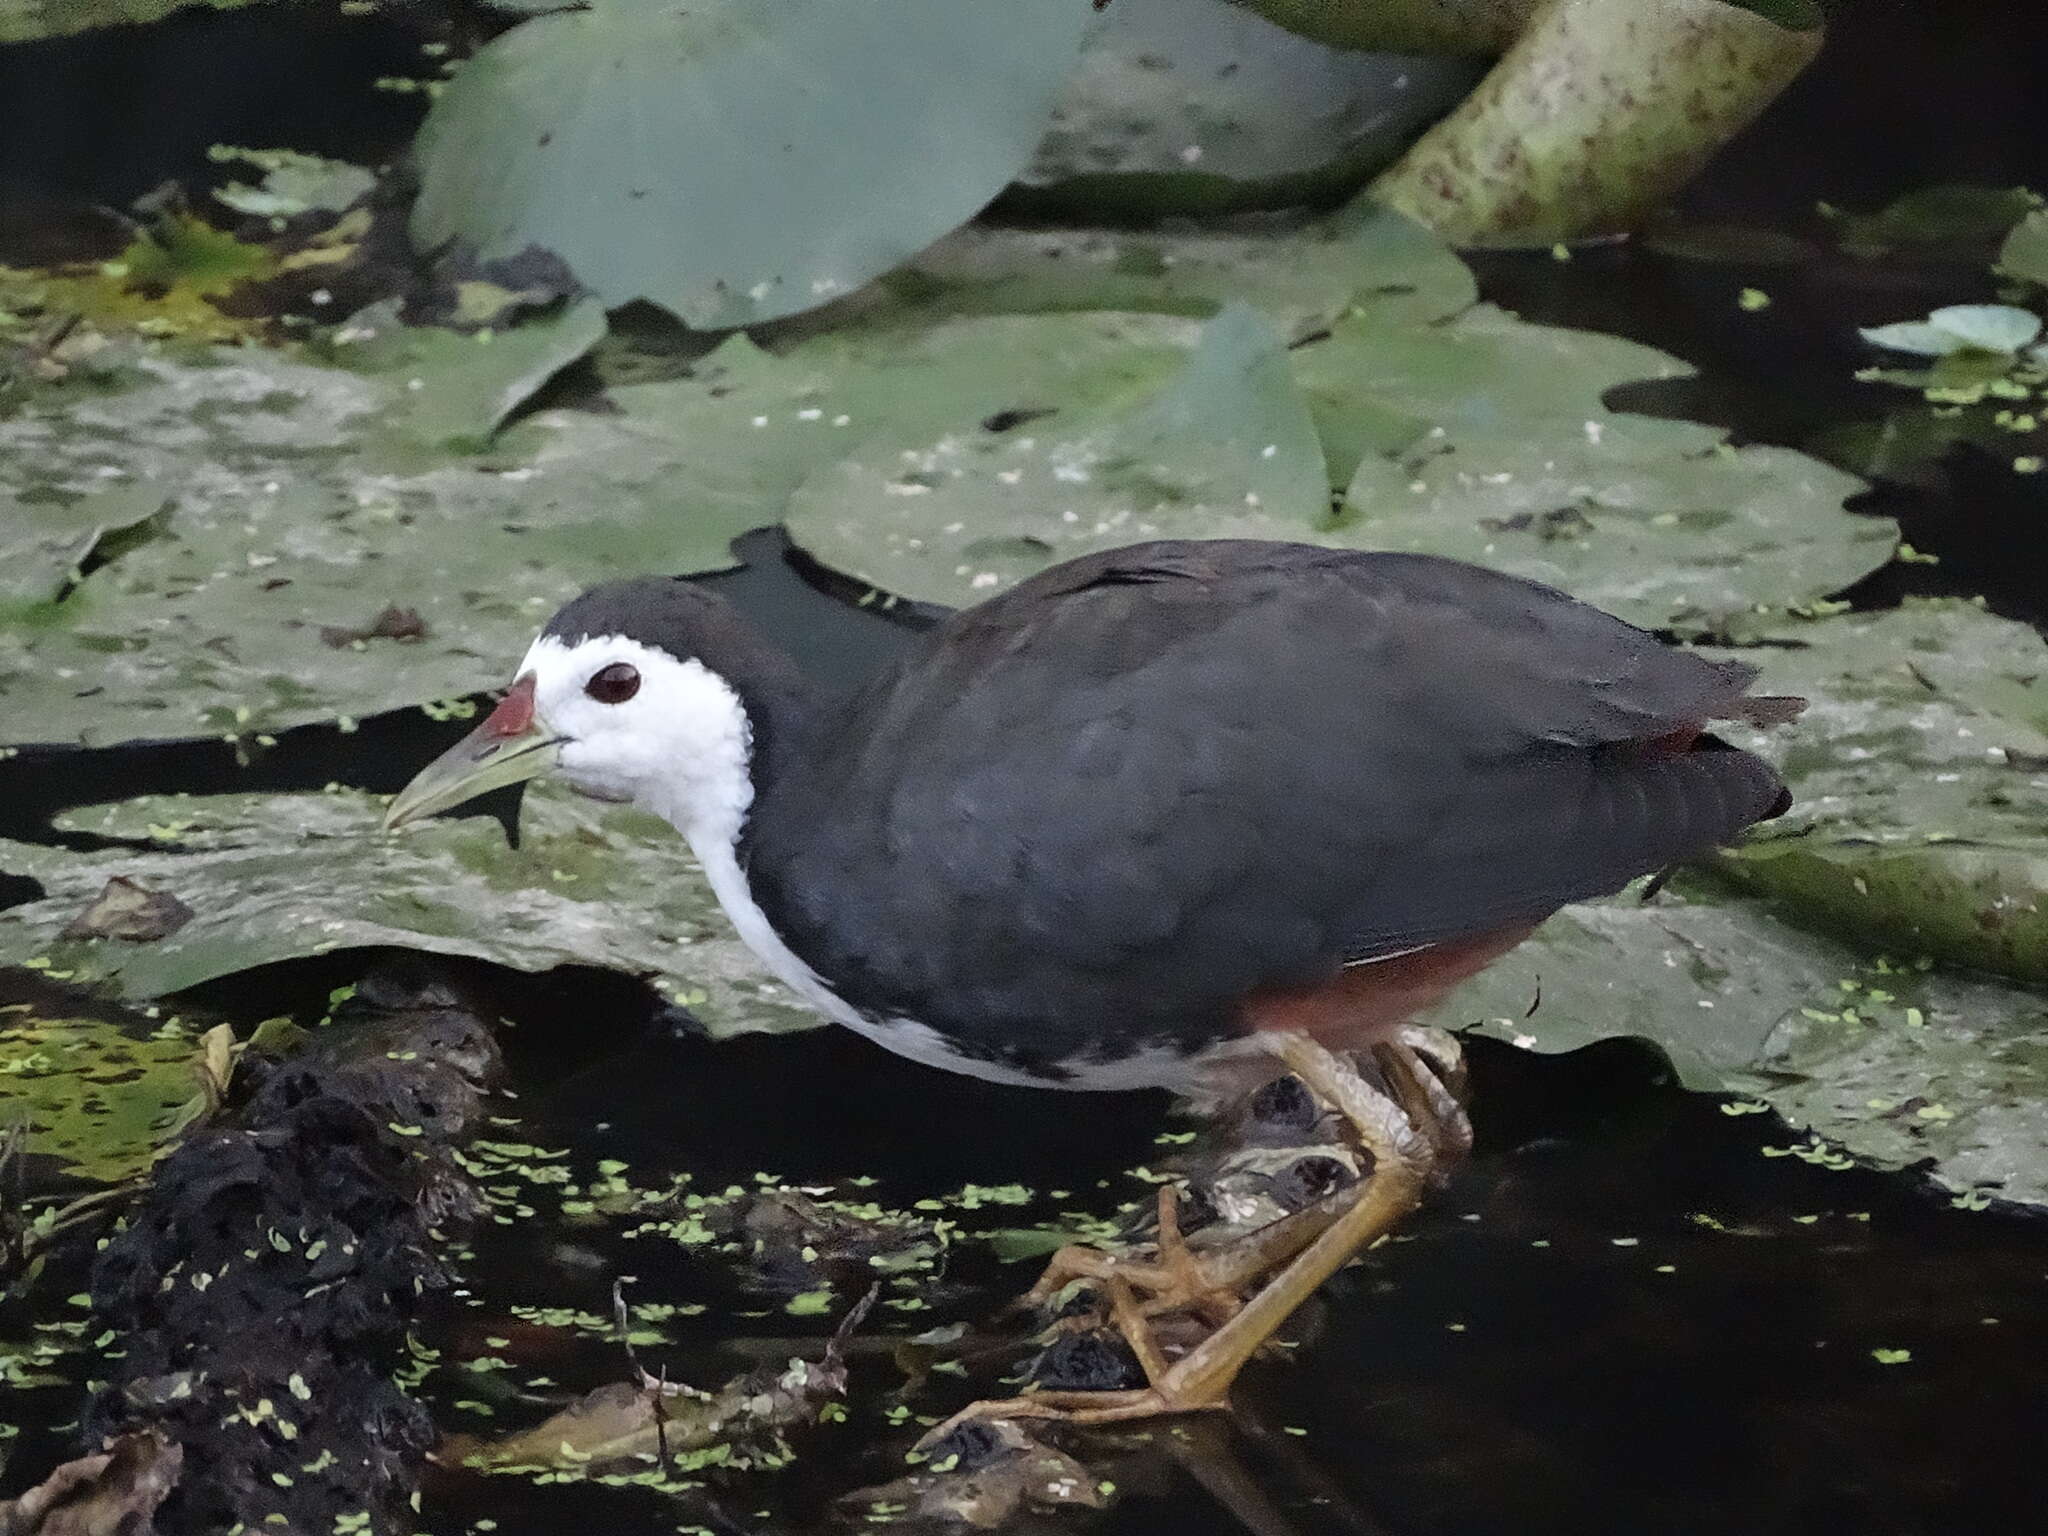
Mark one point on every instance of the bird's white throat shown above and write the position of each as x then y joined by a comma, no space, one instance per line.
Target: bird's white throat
682,748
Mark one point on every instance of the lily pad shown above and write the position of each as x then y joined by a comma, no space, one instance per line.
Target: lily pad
457,388
98,1092
2025,251
1301,275
731,161
1896,1063
43,544
1482,438
1224,447
1952,220
1960,328
1200,106
1491,444
297,514
293,183
278,877
1920,782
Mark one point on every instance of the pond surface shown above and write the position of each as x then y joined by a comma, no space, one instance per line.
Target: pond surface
1621,1315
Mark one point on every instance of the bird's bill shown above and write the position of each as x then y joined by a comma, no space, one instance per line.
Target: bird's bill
509,747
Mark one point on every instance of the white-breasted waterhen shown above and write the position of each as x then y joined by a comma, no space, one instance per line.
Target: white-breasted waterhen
1159,816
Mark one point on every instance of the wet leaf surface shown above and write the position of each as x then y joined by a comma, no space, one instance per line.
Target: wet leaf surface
457,389
1302,275
1224,447
276,877
43,544
304,503
889,124
1493,446
1889,1060
1482,438
1188,106
1919,775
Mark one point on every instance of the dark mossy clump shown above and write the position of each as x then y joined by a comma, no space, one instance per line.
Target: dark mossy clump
264,1289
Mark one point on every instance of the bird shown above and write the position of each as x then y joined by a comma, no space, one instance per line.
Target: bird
1185,814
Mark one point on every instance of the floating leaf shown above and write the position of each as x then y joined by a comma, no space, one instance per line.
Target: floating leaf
456,388
1225,446
1948,220
299,514
1302,276
293,183
2025,252
278,877
733,161
1491,444
184,253
1960,328
1183,106
43,543
1830,1039
1482,438
1919,776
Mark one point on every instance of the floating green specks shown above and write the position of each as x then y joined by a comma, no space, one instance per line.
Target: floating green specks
99,1094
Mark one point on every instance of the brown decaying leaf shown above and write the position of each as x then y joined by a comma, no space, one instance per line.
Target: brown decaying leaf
115,1493
394,623
984,1486
126,909
643,1423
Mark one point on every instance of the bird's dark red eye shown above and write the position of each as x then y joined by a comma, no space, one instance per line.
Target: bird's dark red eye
614,684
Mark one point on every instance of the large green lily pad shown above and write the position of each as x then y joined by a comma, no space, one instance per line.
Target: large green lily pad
1189,106
1495,447
1302,275
304,504
278,877
1482,438
733,161
1920,776
1224,447
1898,1063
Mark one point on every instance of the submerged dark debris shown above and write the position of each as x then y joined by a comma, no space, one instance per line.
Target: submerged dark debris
258,1302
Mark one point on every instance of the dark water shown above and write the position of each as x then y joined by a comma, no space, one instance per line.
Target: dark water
1619,1317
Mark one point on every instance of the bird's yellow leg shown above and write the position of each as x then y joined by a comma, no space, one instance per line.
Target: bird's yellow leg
1403,1158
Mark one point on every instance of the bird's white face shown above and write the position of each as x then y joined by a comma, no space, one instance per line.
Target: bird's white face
633,723
616,719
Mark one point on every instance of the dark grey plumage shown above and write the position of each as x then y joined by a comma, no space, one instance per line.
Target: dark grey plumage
1099,810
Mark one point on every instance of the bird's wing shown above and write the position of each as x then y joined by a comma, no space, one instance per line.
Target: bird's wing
1209,767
